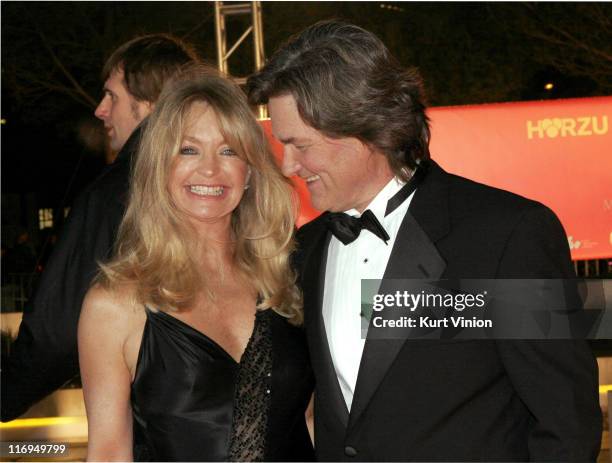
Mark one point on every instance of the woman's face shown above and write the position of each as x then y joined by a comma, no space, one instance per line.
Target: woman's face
208,177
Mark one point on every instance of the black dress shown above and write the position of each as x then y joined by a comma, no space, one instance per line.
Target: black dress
191,401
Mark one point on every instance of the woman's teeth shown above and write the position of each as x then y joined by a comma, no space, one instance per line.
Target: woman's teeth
203,190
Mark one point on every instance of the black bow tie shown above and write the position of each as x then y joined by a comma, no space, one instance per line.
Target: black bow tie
347,228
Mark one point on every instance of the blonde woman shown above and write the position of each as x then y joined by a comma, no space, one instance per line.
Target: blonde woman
189,342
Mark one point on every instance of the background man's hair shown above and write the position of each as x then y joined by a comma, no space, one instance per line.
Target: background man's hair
148,62
347,84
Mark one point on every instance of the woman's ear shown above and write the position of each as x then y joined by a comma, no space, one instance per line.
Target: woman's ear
247,179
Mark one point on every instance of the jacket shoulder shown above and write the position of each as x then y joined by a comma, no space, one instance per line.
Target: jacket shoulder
115,178
113,182
469,198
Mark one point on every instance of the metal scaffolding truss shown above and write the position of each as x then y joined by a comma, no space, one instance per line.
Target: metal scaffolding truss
255,31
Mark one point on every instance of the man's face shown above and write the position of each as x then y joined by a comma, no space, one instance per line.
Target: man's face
120,111
341,173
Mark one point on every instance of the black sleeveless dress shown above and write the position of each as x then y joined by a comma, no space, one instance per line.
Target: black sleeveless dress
191,401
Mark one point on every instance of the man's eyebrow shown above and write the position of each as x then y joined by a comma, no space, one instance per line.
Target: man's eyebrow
290,140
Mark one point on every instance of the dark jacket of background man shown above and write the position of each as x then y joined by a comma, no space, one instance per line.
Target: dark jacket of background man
44,355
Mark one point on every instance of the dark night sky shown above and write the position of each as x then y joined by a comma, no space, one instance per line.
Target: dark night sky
467,53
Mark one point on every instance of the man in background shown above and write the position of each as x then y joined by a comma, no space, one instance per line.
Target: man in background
44,356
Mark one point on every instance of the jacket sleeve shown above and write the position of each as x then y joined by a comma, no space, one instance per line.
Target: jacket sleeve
557,380
44,355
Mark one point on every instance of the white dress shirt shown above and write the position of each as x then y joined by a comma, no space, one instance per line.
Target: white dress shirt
347,265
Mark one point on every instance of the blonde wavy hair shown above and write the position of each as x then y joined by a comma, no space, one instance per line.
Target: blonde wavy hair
156,243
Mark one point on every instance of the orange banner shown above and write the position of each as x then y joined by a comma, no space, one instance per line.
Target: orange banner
557,152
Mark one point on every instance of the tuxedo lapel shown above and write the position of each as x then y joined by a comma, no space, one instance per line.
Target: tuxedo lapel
414,255
313,283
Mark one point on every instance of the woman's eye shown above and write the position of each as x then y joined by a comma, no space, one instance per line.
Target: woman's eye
228,152
188,150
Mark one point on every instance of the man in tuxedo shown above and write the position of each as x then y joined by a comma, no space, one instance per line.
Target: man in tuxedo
44,355
353,125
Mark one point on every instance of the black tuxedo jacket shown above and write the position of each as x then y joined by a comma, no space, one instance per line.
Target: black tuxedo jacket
457,400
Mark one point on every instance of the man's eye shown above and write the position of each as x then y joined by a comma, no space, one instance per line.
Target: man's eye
188,150
228,152
301,147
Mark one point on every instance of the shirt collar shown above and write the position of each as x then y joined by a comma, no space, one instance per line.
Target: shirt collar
378,205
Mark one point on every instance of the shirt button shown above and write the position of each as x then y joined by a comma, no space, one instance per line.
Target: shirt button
350,451
365,261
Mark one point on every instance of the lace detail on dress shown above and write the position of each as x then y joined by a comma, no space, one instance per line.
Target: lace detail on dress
249,423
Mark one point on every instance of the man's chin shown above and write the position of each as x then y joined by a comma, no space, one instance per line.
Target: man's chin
323,206
323,202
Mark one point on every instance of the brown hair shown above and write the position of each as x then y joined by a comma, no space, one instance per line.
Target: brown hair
148,62
347,84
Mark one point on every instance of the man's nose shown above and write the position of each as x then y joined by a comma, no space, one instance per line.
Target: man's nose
291,164
102,110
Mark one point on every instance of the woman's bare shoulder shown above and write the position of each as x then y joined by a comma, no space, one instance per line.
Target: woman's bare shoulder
117,306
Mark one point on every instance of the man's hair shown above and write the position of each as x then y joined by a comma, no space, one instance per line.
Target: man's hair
347,84
148,62
156,247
